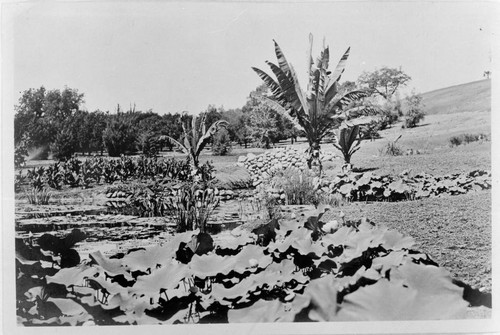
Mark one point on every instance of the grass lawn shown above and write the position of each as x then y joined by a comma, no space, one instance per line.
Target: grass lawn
454,230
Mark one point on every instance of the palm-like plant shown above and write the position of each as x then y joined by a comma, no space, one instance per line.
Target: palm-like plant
348,141
195,139
320,109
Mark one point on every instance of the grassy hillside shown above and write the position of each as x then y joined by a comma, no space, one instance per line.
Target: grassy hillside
470,97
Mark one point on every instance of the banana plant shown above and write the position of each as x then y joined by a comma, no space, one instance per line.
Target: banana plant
195,139
320,109
348,142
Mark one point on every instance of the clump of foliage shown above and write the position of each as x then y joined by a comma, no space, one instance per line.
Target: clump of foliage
221,145
318,110
370,131
301,270
299,187
38,196
414,111
19,180
348,142
333,200
95,170
392,148
195,139
191,206
149,144
389,113
36,177
467,138
372,187
21,152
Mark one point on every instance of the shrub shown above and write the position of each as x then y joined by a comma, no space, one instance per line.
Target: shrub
19,179
467,138
38,196
55,175
414,113
21,152
37,177
192,206
149,144
64,145
389,114
222,143
298,186
392,149
148,202
334,200
348,142
370,130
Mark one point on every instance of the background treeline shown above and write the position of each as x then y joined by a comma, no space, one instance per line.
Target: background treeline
54,122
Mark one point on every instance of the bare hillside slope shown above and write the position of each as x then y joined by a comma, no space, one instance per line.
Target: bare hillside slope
470,97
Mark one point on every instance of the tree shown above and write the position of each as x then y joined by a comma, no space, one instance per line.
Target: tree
321,108
40,113
96,123
213,114
385,81
414,111
65,143
263,126
78,125
262,120
238,126
221,143
120,135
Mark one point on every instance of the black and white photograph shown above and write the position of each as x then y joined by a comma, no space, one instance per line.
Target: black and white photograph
281,167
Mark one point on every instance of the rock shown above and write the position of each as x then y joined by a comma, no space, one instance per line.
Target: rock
242,159
236,232
331,226
250,157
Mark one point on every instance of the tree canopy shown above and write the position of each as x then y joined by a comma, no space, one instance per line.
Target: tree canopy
385,81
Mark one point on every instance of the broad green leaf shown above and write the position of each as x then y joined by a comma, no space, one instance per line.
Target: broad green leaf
111,266
261,311
68,307
167,277
210,265
322,293
415,292
73,276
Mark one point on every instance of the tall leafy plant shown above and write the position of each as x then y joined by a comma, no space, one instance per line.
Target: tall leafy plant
195,138
348,142
321,108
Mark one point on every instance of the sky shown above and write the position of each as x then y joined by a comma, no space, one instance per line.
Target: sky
172,57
